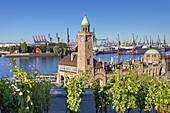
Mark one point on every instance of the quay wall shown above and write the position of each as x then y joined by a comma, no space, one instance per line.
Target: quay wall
31,55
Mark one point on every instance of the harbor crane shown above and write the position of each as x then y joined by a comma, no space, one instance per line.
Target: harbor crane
39,40
50,38
143,40
136,38
164,40
139,40
147,42
68,36
118,39
158,40
94,37
57,37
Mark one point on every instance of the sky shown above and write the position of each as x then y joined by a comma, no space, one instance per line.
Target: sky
21,19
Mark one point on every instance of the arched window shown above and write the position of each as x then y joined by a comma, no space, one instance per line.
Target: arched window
62,78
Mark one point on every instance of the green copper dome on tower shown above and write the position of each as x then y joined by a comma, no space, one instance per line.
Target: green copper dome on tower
152,51
85,21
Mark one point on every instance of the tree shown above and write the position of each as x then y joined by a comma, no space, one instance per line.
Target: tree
60,49
48,48
24,47
5,48
11,49
43,48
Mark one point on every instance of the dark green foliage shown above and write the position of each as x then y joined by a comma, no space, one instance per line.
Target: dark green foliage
8,97
11,49
48,48
60,49
24,47
52,44
43,48
5,48
31,95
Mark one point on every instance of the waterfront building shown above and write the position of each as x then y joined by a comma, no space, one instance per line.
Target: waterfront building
154,63
75,63
38,50
82,61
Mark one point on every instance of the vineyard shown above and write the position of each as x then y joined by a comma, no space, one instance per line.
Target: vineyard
123,91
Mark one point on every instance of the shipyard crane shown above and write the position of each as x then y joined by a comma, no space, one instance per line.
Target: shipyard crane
140,40
164,40
94,37
143,40
57,37
68,36
133,41
150,40
42,40
36,38
136,38
158,40
50,38
45,39
147,40
118,39
39,38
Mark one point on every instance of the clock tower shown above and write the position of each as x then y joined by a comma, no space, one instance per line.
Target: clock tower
85,49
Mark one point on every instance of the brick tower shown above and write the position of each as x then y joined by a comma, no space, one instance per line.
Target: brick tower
85,49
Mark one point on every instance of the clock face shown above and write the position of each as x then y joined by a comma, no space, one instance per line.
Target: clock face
81,39
88,39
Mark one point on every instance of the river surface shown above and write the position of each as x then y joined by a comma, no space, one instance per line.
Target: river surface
49,65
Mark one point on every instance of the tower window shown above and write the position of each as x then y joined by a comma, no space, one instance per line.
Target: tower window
88,46
88,61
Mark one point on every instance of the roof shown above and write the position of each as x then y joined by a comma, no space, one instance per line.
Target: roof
38,49
85,21
67,61
98,65
152,51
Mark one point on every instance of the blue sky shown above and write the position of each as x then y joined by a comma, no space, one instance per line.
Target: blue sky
21,19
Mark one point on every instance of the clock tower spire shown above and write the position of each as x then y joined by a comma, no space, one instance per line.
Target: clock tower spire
85,49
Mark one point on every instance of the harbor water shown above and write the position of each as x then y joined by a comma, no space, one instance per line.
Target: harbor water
49,65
